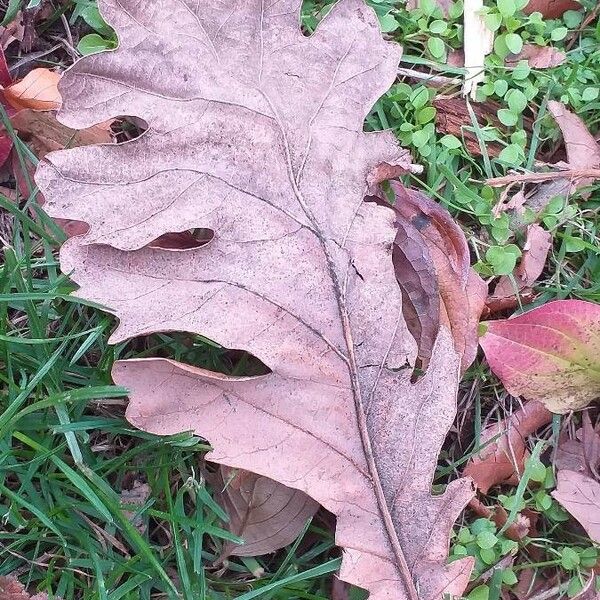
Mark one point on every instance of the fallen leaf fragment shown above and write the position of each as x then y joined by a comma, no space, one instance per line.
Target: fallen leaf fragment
583,154
526,273
478,43
135,497
581,454
503,459
579,494
44,133
443,4
538,57
12,589
453,117
246,138
37,90
5,78
516,531
548,354
551,9
265,514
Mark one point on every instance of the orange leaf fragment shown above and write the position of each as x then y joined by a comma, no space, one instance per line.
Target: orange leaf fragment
38,90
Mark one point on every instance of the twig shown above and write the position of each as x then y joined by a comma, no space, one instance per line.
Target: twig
65,23
539,177
33,56
436,80
590,17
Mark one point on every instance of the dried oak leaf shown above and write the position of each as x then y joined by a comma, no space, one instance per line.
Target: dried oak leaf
256,132
264,513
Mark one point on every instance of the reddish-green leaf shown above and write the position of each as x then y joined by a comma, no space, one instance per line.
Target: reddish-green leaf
550,354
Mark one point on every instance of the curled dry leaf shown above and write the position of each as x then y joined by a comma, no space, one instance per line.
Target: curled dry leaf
502,460
432,263
264,513
12,589
548,354
246,137
37,90
535,253
580,495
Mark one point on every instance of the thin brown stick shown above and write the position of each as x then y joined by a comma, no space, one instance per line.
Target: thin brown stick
539,177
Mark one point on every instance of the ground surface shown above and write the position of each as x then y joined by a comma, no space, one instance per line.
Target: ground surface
66,452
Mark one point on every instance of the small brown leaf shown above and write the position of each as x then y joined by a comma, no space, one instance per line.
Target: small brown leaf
551,9
265,514
583,151
502,460
580,495
443,4
135,496
516,531
526,273
583,154
538,57
38,90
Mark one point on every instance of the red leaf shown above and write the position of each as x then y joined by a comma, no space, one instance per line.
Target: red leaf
12,589
550,354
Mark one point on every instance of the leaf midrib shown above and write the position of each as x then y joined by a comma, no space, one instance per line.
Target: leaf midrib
398,552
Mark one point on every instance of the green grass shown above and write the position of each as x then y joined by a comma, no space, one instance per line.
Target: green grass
67,453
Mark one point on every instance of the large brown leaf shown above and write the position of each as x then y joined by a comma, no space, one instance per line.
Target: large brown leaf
255,132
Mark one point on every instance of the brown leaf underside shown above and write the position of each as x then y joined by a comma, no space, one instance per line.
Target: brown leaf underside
255,132
264,513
